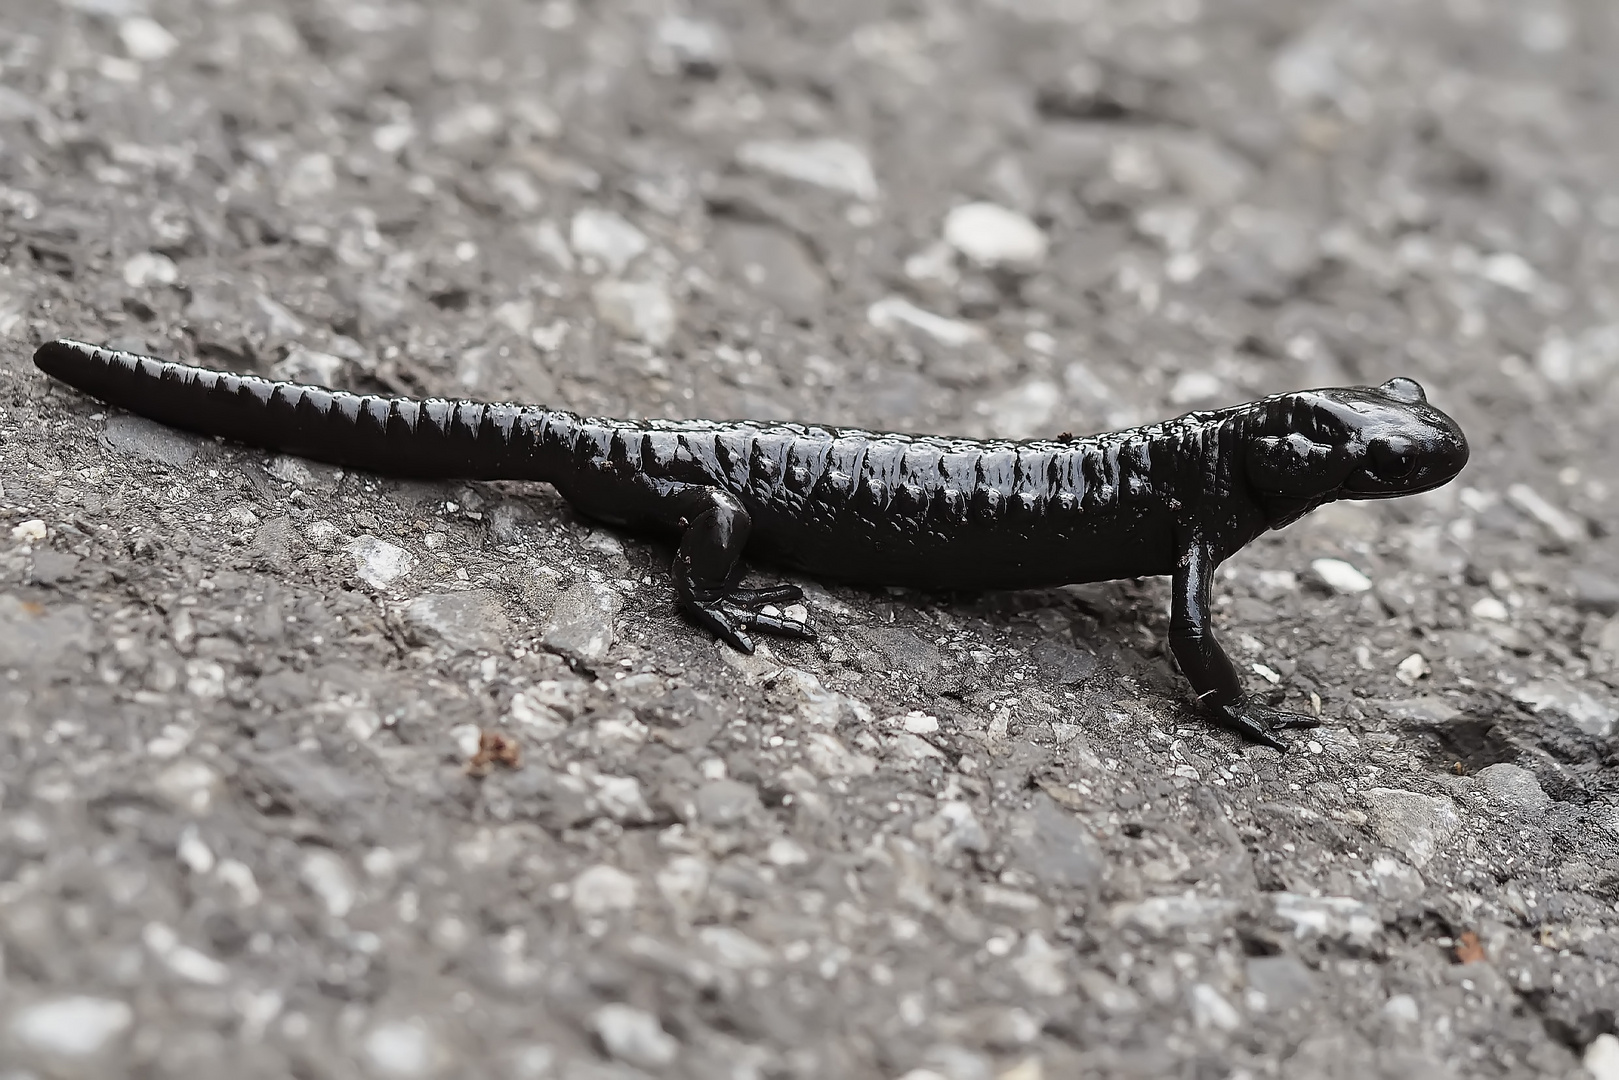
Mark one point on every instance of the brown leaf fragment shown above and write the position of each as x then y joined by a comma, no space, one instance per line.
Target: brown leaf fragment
494,748
1469,949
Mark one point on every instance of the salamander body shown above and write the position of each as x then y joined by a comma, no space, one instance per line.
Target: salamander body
1173,498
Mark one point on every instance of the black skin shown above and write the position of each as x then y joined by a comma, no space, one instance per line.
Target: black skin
1173,498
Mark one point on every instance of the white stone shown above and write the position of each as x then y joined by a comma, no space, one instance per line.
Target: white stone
328,877
1411,669
1043,969
733,948
833,164
1565,528
622,799
400,1048
1160,914
1602,1058
994,236
182,959
918,723
607,238
379,563
634,1036
1192,387
147,268
77,1026
640,310
146,39
1488,607
1402,1009
1210,1010
31,531
602,890
188,785
895,312
1340,577
193,853
1338,918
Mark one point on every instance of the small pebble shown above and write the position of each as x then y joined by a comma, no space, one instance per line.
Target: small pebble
77,1026
1566,529
148,268
634,1036
1340,577
400,1049
639,310
379,563
994,236
1488,607
328,877
146,39
1602,1058
1411,669
31,531
603,890
895,312
607,238
685,44
833,164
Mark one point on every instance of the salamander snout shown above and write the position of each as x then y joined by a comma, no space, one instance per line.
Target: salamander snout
1403,444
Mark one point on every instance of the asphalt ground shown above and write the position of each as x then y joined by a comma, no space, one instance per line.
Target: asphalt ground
312,774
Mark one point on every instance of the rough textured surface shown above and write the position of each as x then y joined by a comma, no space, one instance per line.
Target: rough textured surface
970,838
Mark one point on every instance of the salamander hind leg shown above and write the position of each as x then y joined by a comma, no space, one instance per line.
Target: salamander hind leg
707,571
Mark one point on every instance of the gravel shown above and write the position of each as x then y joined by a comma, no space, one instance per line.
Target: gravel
309,772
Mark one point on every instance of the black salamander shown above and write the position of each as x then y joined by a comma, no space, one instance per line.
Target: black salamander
1171,498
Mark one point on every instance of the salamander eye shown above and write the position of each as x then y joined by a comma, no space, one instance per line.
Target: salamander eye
1393,459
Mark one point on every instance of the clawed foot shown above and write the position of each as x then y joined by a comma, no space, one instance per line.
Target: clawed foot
1256,722
773,610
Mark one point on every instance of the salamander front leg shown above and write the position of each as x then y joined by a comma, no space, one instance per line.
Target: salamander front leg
706,572
1205,664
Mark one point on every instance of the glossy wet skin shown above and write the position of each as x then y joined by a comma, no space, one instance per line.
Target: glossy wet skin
1172,498
1356,443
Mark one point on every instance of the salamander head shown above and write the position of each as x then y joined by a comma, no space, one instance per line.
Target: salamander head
1353,443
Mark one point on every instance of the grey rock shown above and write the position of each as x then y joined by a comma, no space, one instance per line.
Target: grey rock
582,620
1283,980
41,636
1415,825
1595,591
150,440
1162,914
726,802
470,621
639,310
834,164
773,263
901,649
635,1036
1514,787
1593,715
1062,663
1055,846
694,46
52,567
1335,918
